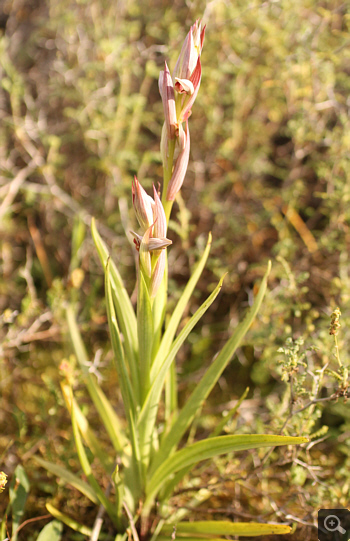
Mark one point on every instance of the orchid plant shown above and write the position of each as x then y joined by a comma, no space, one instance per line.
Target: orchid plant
150,457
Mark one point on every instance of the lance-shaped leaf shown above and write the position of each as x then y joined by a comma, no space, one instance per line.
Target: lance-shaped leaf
149,410
126,388
177,314
68,477
207,382
224,527
180,168
51,532
169,487
125,312
84,530
19,490
145,334
101,402
204,449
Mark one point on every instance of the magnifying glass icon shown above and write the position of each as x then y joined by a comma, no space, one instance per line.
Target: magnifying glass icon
332,524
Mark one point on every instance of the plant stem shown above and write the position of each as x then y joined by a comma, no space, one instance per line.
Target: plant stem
337,351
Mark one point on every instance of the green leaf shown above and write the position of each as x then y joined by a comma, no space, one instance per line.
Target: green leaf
145,334
19,490
209,448
124,308
102,404
208,381
51,532
179,310
84,530
188,538
224,527
148,413
69,478
123,376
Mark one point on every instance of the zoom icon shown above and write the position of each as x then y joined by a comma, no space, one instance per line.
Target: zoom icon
334,525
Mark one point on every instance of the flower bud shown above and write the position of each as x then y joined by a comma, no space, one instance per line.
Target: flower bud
143,204
151,245
190,52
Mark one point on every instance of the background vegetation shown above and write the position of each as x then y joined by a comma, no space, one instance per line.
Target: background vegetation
268,175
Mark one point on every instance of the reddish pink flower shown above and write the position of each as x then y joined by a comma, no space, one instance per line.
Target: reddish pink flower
151,244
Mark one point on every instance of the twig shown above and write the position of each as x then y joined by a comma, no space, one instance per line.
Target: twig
14,186
132,524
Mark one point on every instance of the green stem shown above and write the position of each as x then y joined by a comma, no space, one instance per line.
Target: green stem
337,351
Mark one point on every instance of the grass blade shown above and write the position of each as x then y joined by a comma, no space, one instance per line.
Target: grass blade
204,387
223,527
208,448
84,530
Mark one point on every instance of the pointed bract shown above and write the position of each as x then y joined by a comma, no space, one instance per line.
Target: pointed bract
166,88
158,273
160,225
180,168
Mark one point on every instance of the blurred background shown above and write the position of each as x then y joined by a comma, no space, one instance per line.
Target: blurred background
80,114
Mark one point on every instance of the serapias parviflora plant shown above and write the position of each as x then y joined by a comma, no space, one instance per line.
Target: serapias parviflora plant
150,459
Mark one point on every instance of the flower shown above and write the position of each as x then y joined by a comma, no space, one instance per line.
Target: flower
151,244
188,72
185,81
